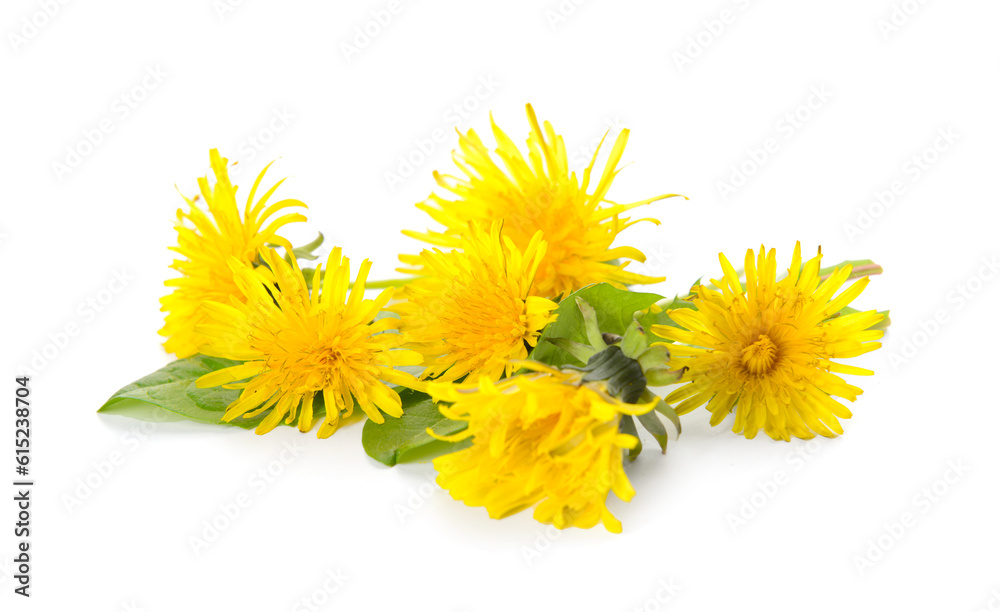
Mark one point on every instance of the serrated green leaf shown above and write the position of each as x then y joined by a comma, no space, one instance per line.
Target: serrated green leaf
405,439
614,307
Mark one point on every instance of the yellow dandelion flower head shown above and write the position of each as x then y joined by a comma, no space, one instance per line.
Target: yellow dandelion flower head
206,240
539,438
296,343
470,311
538,192
767,351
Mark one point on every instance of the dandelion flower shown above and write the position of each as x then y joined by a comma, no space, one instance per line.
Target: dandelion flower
538,192
206,241
767,351
470,311
540,438
296,344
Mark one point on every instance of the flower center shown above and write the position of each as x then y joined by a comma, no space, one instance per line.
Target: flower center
760,356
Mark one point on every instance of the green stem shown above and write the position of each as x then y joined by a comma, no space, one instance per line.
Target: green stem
882,325
376,284
859,268
382,284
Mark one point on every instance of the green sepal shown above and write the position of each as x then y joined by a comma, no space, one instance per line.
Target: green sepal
654,357
651,423
661,377
583,352
590,326
628,427
663,408
622,376
306,251
634,342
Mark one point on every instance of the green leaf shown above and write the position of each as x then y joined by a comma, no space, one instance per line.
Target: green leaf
405,439
172,388
614,307
170,394
657,315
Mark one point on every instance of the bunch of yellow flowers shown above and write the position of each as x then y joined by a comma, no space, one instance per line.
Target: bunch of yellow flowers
513,347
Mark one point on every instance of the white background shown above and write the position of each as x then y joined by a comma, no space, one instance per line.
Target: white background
225,75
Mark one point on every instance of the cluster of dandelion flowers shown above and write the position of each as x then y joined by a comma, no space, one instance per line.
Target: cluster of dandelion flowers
206,240
539,438
297,344
470,311
538,192
767,351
